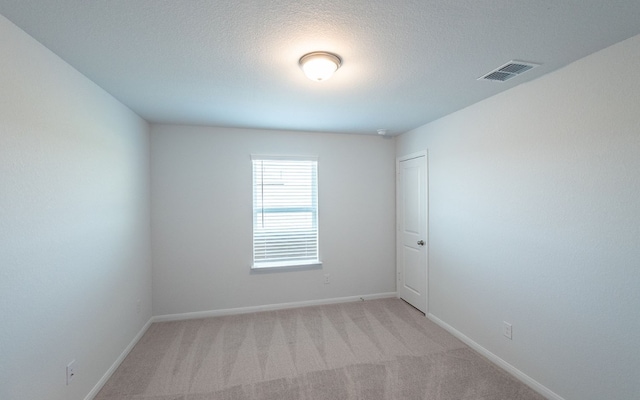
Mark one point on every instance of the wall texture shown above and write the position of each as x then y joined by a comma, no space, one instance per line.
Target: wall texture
74,224
535,220
202,218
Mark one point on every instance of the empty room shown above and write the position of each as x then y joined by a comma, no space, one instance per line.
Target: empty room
347,199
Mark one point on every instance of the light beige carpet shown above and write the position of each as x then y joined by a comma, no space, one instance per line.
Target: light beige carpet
380,349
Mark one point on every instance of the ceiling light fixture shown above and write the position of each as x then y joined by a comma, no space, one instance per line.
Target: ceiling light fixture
319,65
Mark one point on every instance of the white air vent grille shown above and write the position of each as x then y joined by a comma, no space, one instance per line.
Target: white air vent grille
508,71
498,76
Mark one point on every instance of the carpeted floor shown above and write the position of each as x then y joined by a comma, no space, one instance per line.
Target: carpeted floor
370,350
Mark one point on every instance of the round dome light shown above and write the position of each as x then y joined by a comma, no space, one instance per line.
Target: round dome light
319,65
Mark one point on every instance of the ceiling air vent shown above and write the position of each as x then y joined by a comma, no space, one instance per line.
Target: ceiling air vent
508,71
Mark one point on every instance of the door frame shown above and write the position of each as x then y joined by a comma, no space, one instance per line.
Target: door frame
425,155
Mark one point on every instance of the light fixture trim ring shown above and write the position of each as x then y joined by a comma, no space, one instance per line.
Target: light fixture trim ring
333,57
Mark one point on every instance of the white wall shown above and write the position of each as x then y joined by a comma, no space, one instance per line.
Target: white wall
74,224
202,218
535,220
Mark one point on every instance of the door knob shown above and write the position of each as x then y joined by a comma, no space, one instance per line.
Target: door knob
421,242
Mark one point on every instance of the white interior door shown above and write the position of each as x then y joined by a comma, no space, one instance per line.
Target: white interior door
412,230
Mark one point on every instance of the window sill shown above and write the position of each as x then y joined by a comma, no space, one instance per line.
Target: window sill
283,266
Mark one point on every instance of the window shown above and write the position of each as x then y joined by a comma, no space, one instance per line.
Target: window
285,211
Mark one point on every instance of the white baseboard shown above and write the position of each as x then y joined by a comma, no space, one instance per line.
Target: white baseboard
118,361
521,376
269,307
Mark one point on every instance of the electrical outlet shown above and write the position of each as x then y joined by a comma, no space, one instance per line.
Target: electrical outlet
71,371
326,279
507,330
138,306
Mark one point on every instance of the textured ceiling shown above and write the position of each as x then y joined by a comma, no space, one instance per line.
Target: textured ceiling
235,63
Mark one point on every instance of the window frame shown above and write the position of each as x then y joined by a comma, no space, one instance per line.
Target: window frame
285,264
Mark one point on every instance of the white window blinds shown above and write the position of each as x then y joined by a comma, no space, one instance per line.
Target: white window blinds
285,211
